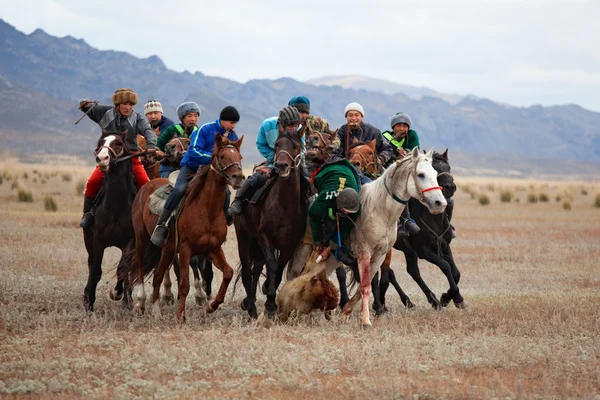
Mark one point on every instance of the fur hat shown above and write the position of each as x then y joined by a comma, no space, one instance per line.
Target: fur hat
152,106
229,113
348,200
124,95
301,103
354,107
288,116
400,118
317,124
186,108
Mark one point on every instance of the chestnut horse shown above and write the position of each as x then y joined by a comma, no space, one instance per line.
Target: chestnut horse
200,228
279,228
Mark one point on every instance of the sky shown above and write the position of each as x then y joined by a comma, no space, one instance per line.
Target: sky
518,52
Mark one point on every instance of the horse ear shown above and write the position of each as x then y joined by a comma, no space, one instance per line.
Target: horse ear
238,143
430,153
354,140
415,152
218,140
372,144
445,155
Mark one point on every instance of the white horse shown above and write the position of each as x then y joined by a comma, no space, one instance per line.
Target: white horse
383,200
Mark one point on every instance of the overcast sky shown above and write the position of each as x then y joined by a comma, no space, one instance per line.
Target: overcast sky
519,52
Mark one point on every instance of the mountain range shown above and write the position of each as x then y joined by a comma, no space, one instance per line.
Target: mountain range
42,77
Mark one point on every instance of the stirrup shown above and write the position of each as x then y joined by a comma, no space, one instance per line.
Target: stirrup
87,220
160,235
411,227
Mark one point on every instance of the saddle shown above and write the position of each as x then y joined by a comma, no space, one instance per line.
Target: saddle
159,197
262,192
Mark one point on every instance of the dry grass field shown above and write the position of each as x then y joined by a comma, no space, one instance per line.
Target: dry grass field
530,276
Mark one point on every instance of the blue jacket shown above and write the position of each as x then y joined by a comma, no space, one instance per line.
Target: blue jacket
202,144
267,136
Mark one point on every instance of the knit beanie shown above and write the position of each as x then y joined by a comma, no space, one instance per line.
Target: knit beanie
288,116
124,95
229,113
401,118
301,103
354,107
152,106
348,200
186,108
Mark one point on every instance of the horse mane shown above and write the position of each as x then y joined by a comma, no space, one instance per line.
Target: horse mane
375,191
295,137
198,181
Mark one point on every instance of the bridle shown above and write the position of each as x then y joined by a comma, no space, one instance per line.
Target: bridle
296,161
220,169
419,188
322,139
375,163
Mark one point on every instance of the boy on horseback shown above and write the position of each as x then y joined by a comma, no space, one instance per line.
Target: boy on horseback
188,114
334,211
118,118
202,144
154,113
402,138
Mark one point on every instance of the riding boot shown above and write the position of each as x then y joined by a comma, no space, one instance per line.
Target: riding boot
161,231
449,210
88,213
228,216
406,225
245,192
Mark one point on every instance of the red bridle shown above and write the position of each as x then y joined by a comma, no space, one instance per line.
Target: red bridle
431,188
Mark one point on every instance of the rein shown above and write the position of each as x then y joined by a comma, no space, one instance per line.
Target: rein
365,169
221,169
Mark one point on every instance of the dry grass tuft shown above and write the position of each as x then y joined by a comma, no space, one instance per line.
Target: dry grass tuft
25,175
25,196
597,200
15,184
506,196
544,198
79,187
66,177
483,199
50,204
584,192
566,205
532,198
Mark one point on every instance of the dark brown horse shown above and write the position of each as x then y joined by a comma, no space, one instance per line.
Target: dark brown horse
275,225
112,225
149,161
200,228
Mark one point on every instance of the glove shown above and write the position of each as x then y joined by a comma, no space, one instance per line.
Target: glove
84,104
342,254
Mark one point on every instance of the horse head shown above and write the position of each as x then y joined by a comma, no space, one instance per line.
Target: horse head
111,146
288,153
364,157
422,183
227,160
318,140
445,179
175,149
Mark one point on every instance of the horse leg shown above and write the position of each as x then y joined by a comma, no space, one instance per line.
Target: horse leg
206,271
377,306
184,279
364,269
403,296
444,266
340,272
200,296
140,298
412,267
458,300
217,257
122,286
168,297
167,258
298,261
384,281
244,244
271,283
94,275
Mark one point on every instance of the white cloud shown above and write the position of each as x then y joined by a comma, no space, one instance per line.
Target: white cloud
520,52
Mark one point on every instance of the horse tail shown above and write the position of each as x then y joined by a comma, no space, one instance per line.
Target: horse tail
238,276
129,262
151,258
355,274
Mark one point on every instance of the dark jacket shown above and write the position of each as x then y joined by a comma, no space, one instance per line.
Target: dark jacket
109,120
164,124
364,133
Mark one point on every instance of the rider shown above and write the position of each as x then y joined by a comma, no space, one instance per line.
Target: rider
118,118
200,153
288,121
154,113
363,132
337,206
188,114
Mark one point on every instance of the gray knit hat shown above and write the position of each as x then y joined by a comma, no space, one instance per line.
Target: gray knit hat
401,118
348,200
186,108
288,116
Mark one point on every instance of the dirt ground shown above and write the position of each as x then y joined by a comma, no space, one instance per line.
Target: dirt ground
530,277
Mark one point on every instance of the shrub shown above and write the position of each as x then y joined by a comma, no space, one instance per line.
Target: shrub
532,198
483,199
50,204
584,192
34,180
566,205
544,198
25,196
35,171
506,196
79,186
558,198
25,176
517,200
43,181
491,187
66,177
15,185
1,179
597,200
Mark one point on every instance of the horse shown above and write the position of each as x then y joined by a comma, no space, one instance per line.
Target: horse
149,161
382,203
364,157
432,244
280,227
112,226
200,228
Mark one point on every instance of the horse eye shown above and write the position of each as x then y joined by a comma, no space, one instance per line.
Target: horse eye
370,153
421,175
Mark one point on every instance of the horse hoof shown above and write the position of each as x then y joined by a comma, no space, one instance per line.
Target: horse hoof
365,324
181,317
114,296
168,300
410,304
347,310
212,307
264,288
462,305
243,305
200,300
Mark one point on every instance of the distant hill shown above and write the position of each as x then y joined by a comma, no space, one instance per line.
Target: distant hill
379,85
42,77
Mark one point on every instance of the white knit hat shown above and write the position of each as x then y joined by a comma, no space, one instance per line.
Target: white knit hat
152,105
354,107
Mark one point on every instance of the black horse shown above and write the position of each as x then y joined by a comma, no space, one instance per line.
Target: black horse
432,244
112,221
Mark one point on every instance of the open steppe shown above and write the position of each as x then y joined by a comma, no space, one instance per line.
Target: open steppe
530,277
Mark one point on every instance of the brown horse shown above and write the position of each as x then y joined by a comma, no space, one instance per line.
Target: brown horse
150,163
364,157
200,228
279,228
